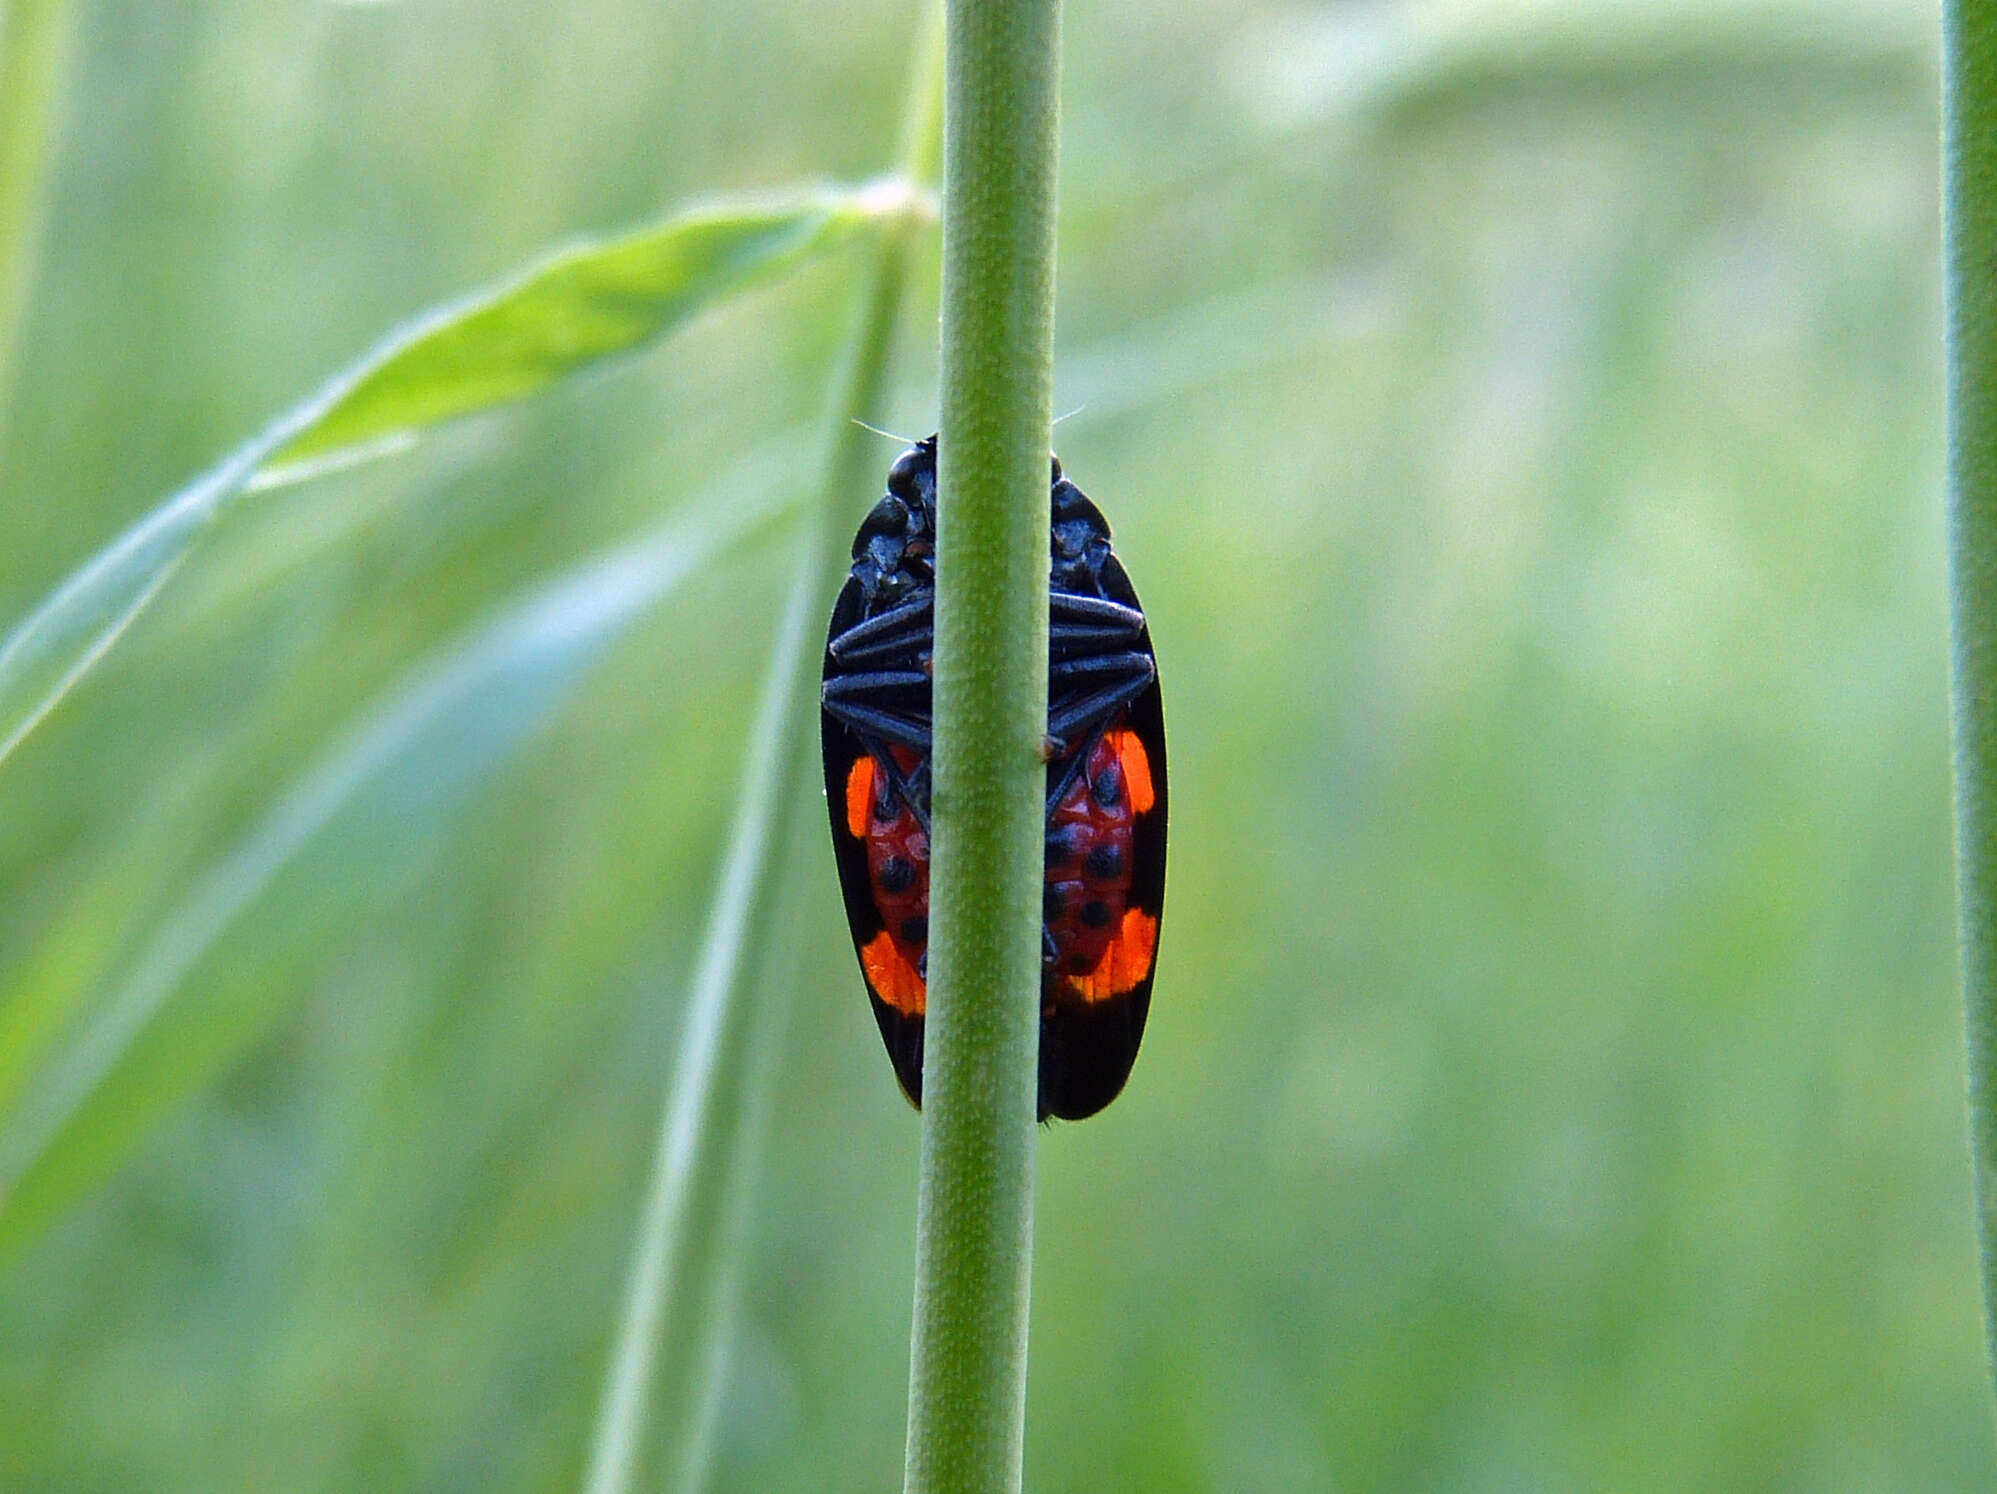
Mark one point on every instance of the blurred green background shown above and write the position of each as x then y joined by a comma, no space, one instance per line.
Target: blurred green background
1523,425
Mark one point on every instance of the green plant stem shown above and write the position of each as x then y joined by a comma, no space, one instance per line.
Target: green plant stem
740,1152
34,37
741,898
698,1096
974,1233
1969,195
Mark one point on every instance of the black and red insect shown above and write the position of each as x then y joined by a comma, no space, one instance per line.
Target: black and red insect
1105,885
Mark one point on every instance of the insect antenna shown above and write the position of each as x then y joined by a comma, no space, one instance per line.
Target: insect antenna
885,435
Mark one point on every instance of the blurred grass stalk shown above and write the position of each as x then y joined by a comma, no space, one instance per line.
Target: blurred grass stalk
974,1230
708,1093
34,37
1969,195
1374,64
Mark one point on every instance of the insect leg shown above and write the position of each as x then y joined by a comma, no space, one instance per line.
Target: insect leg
1098,706
906,730
1067,607
887,636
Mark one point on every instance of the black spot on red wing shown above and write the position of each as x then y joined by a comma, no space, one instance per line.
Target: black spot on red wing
915,930
1108,787
1095,913
1061,845
1104,863
897,874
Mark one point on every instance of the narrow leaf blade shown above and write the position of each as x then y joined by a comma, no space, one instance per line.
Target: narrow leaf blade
388,789
584,303
594,300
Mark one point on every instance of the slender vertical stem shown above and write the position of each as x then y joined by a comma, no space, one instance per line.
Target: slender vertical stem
967,1384
33,40
1969,195
685,1150
702,1091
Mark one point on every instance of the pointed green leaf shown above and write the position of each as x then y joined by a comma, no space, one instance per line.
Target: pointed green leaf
587,302
594,300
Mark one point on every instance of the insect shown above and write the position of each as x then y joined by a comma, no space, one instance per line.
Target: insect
1105,880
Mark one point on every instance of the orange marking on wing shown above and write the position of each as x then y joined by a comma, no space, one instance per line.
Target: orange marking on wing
893,978
1136,770
860,796
1127,960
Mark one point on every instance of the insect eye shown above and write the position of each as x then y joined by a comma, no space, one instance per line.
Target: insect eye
905,476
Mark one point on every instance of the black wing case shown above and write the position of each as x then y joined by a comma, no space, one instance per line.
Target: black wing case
1087,1049
841,748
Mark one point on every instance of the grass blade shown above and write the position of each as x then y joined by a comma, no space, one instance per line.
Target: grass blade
406,766
684,1152
692,1098
1373,64
586,303
1969,196
686,1159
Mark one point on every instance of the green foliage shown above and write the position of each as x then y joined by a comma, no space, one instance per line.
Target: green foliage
1969,182
720,1077
586,303
591,301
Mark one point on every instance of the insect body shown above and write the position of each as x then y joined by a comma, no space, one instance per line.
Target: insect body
1105,880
